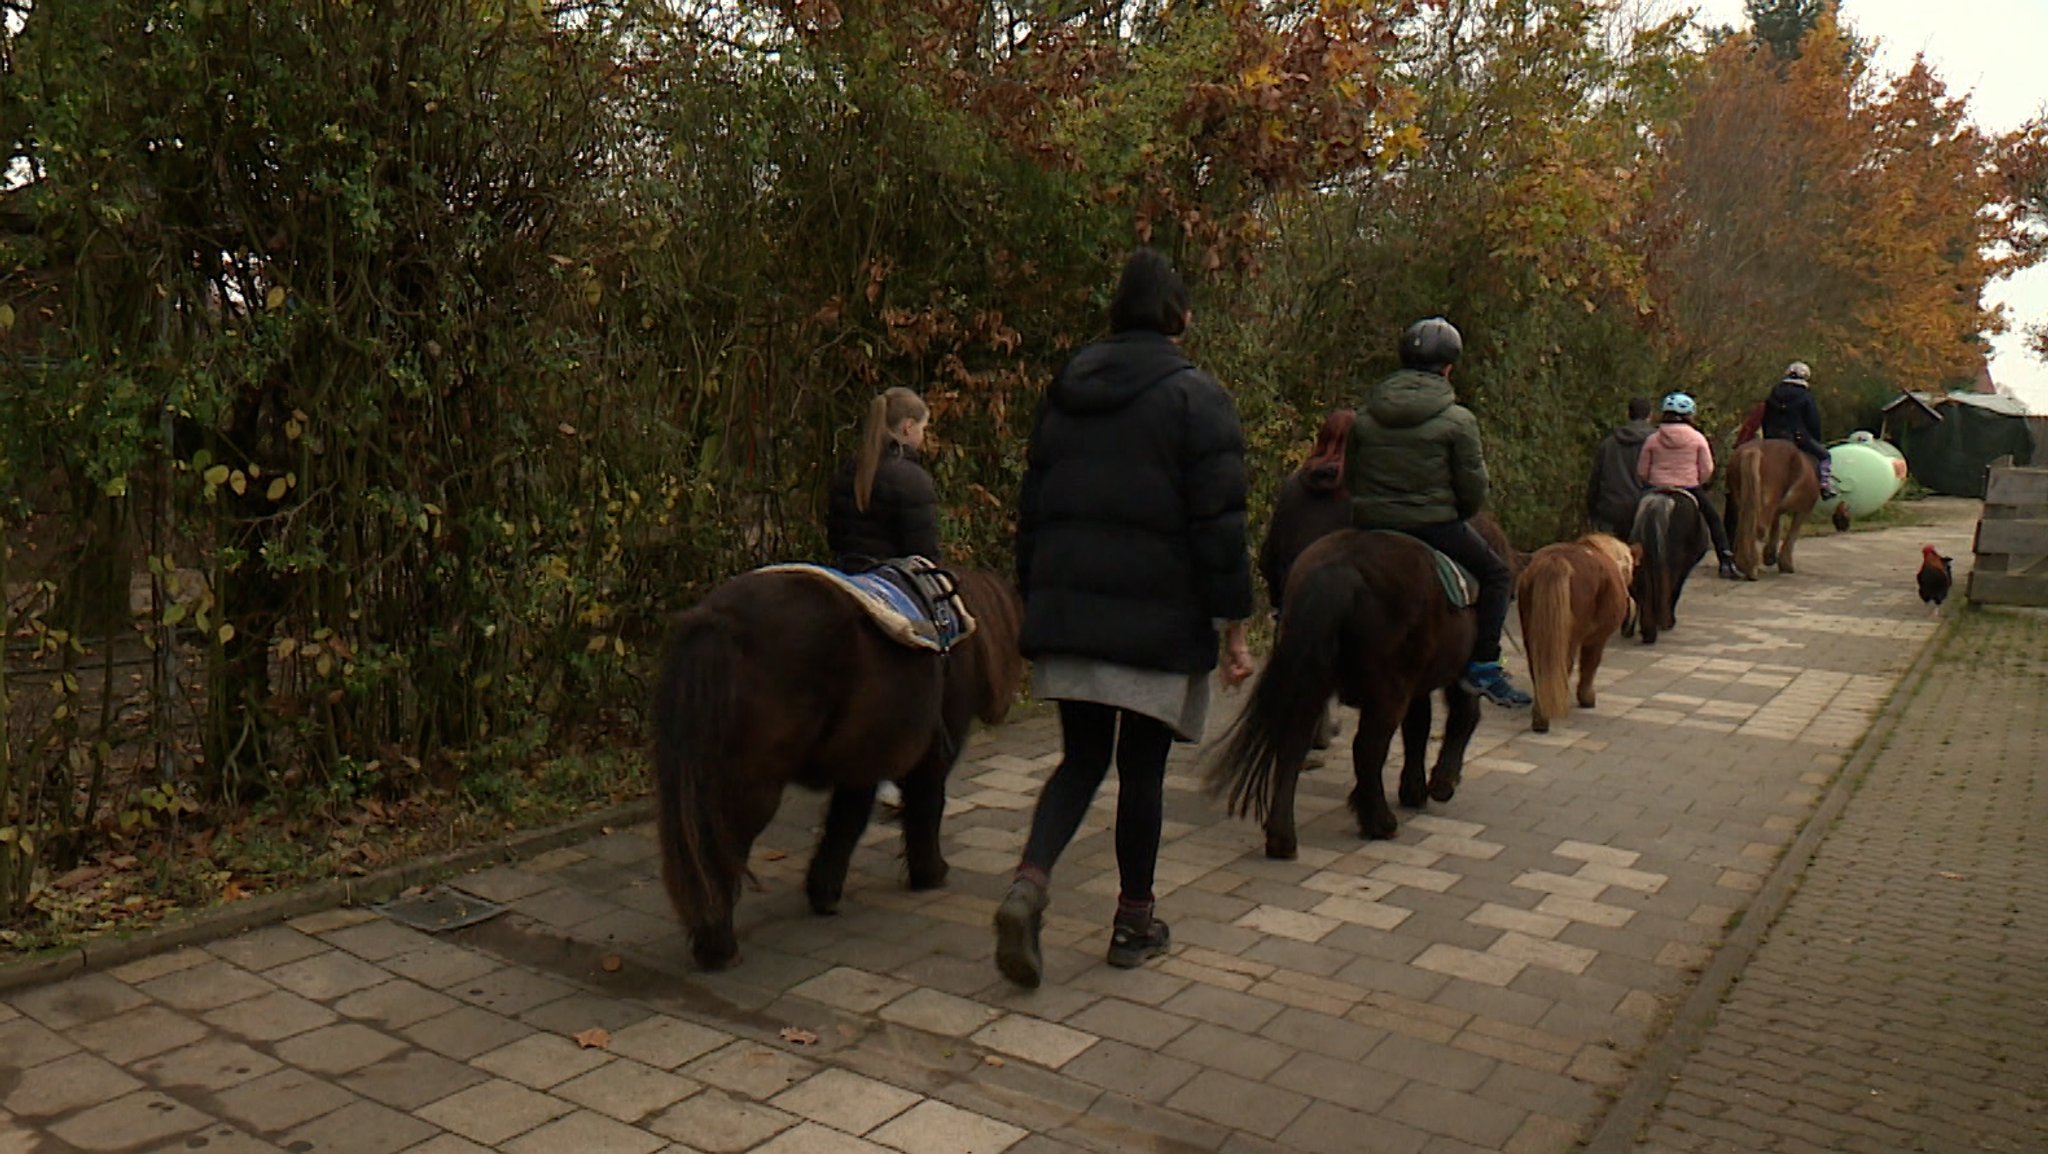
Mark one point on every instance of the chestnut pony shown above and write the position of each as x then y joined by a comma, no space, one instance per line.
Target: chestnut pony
1366,618
778,678
1773,486
1573,596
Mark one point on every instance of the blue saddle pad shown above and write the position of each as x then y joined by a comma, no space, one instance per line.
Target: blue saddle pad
932,619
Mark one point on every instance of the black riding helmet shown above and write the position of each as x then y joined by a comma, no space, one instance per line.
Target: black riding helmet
1430,344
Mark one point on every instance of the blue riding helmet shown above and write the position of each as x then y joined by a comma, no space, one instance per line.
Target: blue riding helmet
1679,403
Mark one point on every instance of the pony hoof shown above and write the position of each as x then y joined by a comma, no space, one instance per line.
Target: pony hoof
1541,724
1443,790
928,877
1282,849
714,956
1379,831
1413,799
824,898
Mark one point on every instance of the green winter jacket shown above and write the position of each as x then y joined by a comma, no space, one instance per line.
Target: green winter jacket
1414,459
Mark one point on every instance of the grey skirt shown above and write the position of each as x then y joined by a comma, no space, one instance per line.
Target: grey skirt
1180,701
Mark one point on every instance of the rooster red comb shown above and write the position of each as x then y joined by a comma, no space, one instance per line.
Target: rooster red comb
1929,551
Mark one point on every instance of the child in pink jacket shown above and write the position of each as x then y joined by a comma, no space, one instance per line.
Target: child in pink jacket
1677,456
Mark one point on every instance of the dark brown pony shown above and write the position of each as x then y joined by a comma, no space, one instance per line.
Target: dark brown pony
1772,486
781,678
1365,618
1673,537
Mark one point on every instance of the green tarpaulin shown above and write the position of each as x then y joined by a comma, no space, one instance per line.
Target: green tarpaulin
1951,456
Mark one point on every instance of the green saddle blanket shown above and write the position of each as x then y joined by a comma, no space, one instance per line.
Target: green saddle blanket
1460,586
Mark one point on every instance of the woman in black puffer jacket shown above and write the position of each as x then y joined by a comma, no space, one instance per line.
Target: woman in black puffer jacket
883,504
1130,552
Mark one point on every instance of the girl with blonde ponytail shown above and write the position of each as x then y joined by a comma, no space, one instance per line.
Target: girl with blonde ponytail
883,503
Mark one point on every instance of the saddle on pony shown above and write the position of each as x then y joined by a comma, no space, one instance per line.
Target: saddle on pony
912,600
1460,587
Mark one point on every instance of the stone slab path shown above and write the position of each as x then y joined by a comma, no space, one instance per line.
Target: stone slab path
1484,982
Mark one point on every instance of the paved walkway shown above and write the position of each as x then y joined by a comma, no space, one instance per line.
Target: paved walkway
1484,982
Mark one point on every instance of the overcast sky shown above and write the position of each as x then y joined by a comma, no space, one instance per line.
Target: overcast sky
1991,50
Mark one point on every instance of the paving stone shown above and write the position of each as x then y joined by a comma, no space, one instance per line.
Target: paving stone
125,1123
667,1043
456,1144
267,948
541,1060
845,1101
24,1043
127,1038
1239,1103
510,990
338,1049
491,1112
749,1068
209,1064
378,940
1345,1083
395,1005
1047,1043
157,965
438,965
1470,965
938,1013
717,1123
1141,1026
220,1139
500,884
1227,1008
849,989
1229,1050
77,1001
328,921
327,976
1322,1034
586,1133
412,1079
279,1101
1459,1115
579,1012
627,1090
1131,1070
360,1128
64,1085
811,1138
270,1017
937,1128
466,1032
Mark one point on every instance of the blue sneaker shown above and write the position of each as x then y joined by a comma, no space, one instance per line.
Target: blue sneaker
1487,679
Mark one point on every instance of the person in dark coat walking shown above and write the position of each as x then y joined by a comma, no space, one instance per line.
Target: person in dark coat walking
883,504
1613,489
1313,503
1791,414
1130,550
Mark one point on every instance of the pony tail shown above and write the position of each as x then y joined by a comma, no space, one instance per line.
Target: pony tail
874,439
1546,607
1652,530
1278,724
694,714
1746,477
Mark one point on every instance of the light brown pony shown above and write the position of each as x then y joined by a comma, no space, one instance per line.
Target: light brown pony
1573,596
779,678
1773,486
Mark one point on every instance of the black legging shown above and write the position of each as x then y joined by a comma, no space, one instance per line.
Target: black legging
1088,735
1463,544
1712,516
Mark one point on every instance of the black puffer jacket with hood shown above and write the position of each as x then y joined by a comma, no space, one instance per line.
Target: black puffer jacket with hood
1131,522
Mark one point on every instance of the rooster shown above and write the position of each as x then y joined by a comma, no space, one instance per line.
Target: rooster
1937,573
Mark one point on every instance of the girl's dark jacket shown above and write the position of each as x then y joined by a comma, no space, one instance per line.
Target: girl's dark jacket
902,517
1131,522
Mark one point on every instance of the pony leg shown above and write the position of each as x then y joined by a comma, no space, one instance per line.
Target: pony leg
846,818
1283,842
1463,719
924,804
1415,753
1368,758
1772,517
1792,528
1590,656
713,942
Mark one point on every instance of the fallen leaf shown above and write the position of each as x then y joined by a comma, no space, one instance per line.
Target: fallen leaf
772,855
612,964
798,1036
992,1060
1952,875
595,1038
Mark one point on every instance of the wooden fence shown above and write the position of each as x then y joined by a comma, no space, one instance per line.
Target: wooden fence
2012,539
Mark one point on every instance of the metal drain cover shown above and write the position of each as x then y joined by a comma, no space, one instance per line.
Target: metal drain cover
439,910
